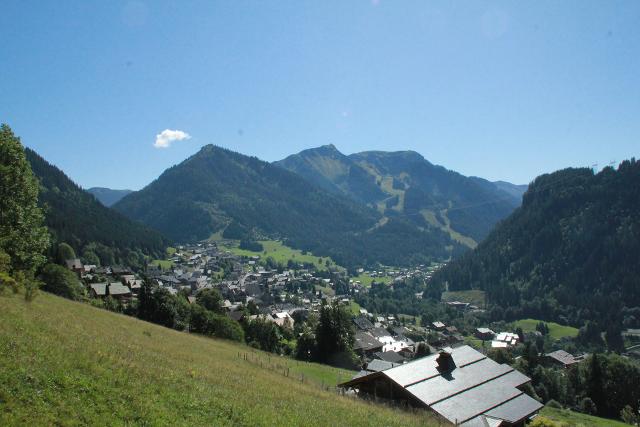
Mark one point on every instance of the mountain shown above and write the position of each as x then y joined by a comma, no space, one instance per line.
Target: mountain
513,189
96,232
570,253
404,184
107,196
220,191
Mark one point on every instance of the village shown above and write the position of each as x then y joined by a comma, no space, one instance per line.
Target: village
394,353
284,295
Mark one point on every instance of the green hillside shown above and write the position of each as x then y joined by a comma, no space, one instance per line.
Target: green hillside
67,363
567,418
556,331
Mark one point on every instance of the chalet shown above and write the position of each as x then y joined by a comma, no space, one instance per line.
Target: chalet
119,291
283,319
119,270
366,345
460,385
505,340
75,265
438,326
485,334
362,323
562,359
98,290
389,356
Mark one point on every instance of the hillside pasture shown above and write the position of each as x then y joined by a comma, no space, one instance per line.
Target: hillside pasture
67,363
556,331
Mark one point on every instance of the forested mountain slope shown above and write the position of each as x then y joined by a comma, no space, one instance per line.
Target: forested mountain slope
404,184
571,252
93,230
246,198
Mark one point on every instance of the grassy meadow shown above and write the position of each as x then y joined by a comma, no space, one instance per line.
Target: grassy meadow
281,253
556,331
567,418
67,363
366,280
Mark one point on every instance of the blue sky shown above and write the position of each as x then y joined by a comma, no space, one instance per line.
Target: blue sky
502,90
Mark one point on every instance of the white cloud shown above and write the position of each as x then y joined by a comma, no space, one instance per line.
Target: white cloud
167,136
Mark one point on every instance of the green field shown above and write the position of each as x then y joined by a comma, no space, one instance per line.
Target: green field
164,264
66,363
474,297
282,254
355,308
556,331
326,290
366,280
567,418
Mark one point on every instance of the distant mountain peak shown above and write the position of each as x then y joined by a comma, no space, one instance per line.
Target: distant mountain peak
323,150
108,196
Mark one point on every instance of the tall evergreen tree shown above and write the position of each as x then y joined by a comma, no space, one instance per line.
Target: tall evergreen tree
335,336
22,233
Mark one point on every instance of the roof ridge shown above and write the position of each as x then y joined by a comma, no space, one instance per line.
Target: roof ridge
439,374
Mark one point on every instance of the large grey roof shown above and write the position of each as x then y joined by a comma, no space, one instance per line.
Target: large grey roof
364,341
118,289
476,386
427,367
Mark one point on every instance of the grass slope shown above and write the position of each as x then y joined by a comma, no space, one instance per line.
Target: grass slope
556,331
566,418
67,363
282,254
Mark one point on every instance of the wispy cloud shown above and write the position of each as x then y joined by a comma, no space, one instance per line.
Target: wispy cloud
167,136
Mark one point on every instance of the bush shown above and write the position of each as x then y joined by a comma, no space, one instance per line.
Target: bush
207,322
554,404
60,281
588,407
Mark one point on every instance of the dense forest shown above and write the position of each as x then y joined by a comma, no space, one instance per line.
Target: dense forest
96,233
570,253
218,190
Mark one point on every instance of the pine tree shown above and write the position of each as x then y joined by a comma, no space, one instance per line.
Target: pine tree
22,234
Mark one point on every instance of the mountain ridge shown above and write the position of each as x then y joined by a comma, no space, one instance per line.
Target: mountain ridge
405,184
218,190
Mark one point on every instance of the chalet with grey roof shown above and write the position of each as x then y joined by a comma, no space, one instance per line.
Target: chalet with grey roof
461,385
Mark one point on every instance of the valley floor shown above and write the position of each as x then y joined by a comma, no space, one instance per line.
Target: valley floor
67,363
